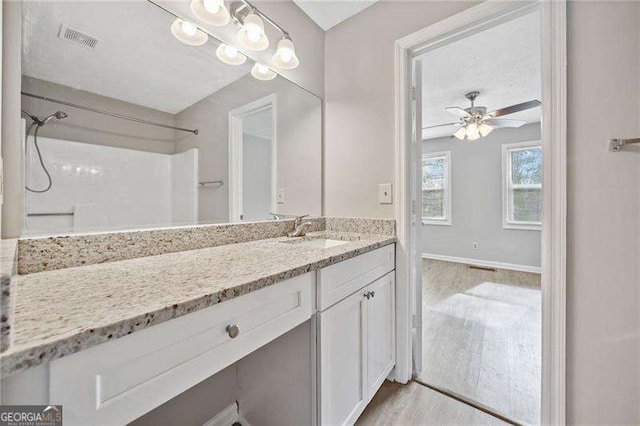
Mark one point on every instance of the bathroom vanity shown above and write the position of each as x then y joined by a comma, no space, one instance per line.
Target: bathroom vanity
115,340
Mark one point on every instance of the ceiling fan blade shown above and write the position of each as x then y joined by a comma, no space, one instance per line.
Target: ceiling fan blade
514,108
503,122
458,111
443,125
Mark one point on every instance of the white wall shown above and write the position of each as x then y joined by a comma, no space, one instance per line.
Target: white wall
603,281
603,293
476,191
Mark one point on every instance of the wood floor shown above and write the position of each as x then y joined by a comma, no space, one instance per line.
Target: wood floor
414,404
482,336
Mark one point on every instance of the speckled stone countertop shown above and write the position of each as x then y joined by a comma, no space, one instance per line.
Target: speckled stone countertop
61,312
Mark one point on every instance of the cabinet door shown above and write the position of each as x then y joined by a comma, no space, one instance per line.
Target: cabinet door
380,331
342,354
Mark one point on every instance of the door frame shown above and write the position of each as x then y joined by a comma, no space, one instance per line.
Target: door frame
554,205
235,153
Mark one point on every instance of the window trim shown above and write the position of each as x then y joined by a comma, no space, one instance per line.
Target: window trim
507,185
446,220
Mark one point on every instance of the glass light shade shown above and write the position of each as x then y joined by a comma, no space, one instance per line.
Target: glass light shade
262,72
485,129
230,55
212,12
285,56
251,35
472,131
460,133
188,33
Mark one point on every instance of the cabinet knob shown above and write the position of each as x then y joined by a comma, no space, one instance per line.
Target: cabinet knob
367,295
233,330
373,294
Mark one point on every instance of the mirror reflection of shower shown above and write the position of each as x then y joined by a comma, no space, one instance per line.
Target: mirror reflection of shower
36,123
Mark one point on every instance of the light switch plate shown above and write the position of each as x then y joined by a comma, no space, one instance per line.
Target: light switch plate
384,193
280,196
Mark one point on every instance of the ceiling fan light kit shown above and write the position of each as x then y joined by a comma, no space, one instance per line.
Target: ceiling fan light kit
476,122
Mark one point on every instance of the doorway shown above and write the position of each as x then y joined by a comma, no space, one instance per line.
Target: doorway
553,199
253,161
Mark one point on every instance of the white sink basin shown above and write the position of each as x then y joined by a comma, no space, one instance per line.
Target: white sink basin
316,243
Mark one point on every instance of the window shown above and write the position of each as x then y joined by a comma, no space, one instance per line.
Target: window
436,188
522,187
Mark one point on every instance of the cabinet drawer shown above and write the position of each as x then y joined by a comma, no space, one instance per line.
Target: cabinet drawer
117,382
342,279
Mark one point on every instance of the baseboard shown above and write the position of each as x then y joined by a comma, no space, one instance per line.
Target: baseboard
486,263
227,417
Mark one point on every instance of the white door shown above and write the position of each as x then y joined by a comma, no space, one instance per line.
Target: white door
415,250
342,366
380,331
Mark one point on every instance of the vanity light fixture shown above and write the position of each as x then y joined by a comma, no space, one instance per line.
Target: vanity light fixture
262,72
251,34
188,33
212,12
285,56
230,55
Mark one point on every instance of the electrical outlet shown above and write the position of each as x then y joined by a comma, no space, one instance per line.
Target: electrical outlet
475,245
384,193
280,196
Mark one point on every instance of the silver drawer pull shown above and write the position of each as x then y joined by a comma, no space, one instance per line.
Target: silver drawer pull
233,330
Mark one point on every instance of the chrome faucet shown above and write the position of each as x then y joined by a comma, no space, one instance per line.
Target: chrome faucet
299,228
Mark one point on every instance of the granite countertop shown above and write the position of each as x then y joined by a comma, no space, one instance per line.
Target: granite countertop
61,312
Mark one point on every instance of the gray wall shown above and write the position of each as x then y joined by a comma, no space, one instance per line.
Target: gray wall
603,253
359,101
299,144
90,127
476,198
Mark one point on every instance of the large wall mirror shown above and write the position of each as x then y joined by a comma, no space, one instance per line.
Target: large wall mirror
126,127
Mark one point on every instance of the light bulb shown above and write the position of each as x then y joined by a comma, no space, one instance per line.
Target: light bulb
473,137
231,51
472,131
189,28
485,129
251,35
262,72
460,133
188,33
212,12
285,56
230,55
211,6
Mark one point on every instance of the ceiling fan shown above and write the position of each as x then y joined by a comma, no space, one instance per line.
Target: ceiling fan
475,121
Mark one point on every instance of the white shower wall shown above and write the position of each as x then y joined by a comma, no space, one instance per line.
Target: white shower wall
98,188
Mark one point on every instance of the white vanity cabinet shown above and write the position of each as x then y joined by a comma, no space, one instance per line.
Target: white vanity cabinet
356,335
118,381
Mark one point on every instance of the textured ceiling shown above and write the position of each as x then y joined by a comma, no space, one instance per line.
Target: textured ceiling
137,59
502,63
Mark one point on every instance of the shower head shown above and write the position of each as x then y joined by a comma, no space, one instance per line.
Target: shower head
59,115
